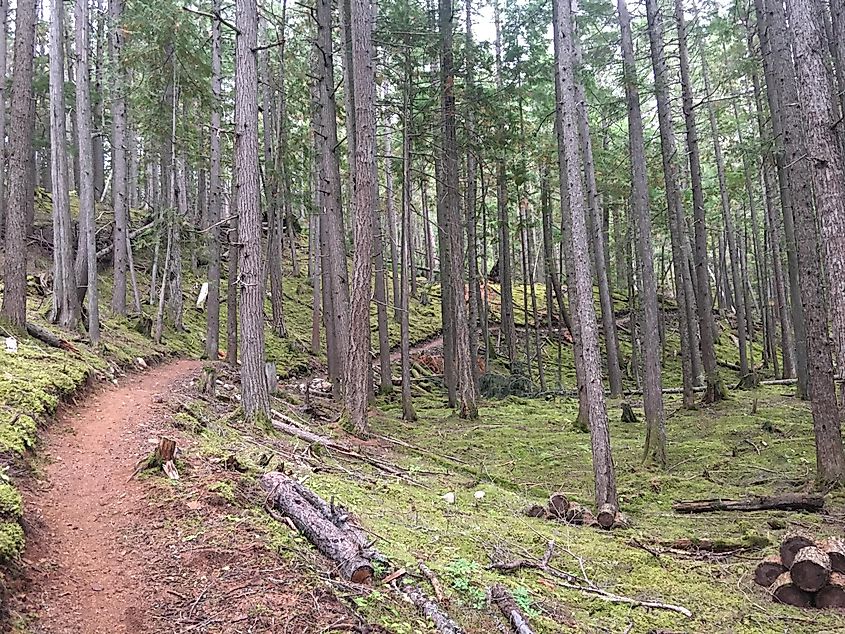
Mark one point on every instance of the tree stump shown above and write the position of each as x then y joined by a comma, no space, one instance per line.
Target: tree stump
144,325
833,594
790,546
768,571
208,380
165,455
784,591
811,569
835,549
628,415
271,377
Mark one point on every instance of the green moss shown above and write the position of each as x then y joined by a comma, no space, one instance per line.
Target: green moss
11,503
11,540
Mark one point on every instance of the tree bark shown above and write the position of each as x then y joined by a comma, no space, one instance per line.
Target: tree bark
570,180
254,393
87,211
707,327
675,213
4,31
655,440
465,375
118,159
364,204
794,182
214,235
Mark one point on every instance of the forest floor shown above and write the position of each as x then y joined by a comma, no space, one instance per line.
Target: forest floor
109,552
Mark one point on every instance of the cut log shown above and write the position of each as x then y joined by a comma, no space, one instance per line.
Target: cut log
431,610
811,569
606,516
579,514
785,502
308,514
504,601
785,591
790,546
768,570
835,549
45,336
833,594
535,510
558,506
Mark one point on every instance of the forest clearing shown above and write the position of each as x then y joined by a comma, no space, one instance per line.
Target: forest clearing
413,317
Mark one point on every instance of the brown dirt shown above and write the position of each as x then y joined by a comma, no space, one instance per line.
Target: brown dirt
108,553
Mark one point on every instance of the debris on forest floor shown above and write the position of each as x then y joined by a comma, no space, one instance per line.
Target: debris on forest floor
560,508
784,502
805,574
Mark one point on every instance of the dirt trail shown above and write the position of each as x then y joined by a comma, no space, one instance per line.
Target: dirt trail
87,576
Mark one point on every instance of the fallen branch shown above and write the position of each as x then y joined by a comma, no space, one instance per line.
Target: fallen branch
785,502
45,336
315,519
443,623
585,586
504,601
428,573
290,426
132,235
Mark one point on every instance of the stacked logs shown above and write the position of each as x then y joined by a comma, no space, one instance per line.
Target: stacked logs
805,573
562,509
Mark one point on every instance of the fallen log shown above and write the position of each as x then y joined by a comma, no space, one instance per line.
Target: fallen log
811,569
132,235
790,546
785,591
835,549
558,505
45,336
504,601
308,514
785,502
768,570
429,608
833,594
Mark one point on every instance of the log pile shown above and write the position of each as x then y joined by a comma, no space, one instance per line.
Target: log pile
805,573
561,509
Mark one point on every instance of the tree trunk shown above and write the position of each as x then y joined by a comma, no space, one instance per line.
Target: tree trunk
707,327
4,33
570,180
655,441
406,252
793,180
364,205
675,214
827,168
594,227
730,232
475,306
65,301
465,374
506,277
335,279
87,211
118,160
214,235
254,394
